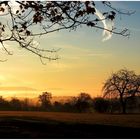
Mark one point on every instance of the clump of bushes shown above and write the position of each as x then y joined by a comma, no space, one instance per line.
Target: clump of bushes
101,105
82,103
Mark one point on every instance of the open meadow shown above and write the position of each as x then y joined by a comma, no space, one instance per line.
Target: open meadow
20,124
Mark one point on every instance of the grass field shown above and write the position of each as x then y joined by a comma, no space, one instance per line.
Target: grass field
20,124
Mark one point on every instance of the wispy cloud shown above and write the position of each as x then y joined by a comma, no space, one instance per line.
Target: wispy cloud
107,25
77,53
80,56
99,54
18,88
55,89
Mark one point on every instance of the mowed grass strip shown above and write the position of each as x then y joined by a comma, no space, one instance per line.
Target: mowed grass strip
128,120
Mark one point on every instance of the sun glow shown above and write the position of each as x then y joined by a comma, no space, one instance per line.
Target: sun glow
86,61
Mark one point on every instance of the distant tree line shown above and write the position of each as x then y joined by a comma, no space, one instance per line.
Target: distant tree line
83,103
16,104
120,95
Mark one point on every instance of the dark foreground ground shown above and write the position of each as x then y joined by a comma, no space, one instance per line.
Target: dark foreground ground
26,127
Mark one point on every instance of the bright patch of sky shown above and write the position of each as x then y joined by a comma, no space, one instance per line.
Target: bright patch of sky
85,61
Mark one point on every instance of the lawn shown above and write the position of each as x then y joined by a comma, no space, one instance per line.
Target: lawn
20,124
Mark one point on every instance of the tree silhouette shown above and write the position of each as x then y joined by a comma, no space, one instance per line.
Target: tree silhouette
15,103
100,104
25,104
25,17
122,84
84,101
4,105
45,99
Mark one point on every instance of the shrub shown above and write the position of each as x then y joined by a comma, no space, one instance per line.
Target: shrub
101,105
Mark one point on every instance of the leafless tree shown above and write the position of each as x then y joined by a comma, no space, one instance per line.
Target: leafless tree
122,84
24,18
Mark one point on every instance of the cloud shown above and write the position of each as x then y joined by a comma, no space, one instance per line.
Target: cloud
88,54
107,25
56,89
99,54
16,88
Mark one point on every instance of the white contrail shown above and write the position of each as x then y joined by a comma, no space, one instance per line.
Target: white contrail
107,25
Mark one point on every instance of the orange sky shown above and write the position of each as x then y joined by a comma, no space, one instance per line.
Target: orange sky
85,62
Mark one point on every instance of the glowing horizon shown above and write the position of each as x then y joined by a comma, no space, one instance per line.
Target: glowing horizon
86,61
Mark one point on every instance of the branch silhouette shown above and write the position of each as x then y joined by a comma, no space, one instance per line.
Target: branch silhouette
25,17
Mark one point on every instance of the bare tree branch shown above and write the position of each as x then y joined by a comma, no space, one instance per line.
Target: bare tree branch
50,16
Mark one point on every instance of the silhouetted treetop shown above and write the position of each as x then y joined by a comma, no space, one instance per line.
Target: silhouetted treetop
122,84
28,19
45,99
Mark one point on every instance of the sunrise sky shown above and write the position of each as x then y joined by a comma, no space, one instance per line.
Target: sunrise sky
86,61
